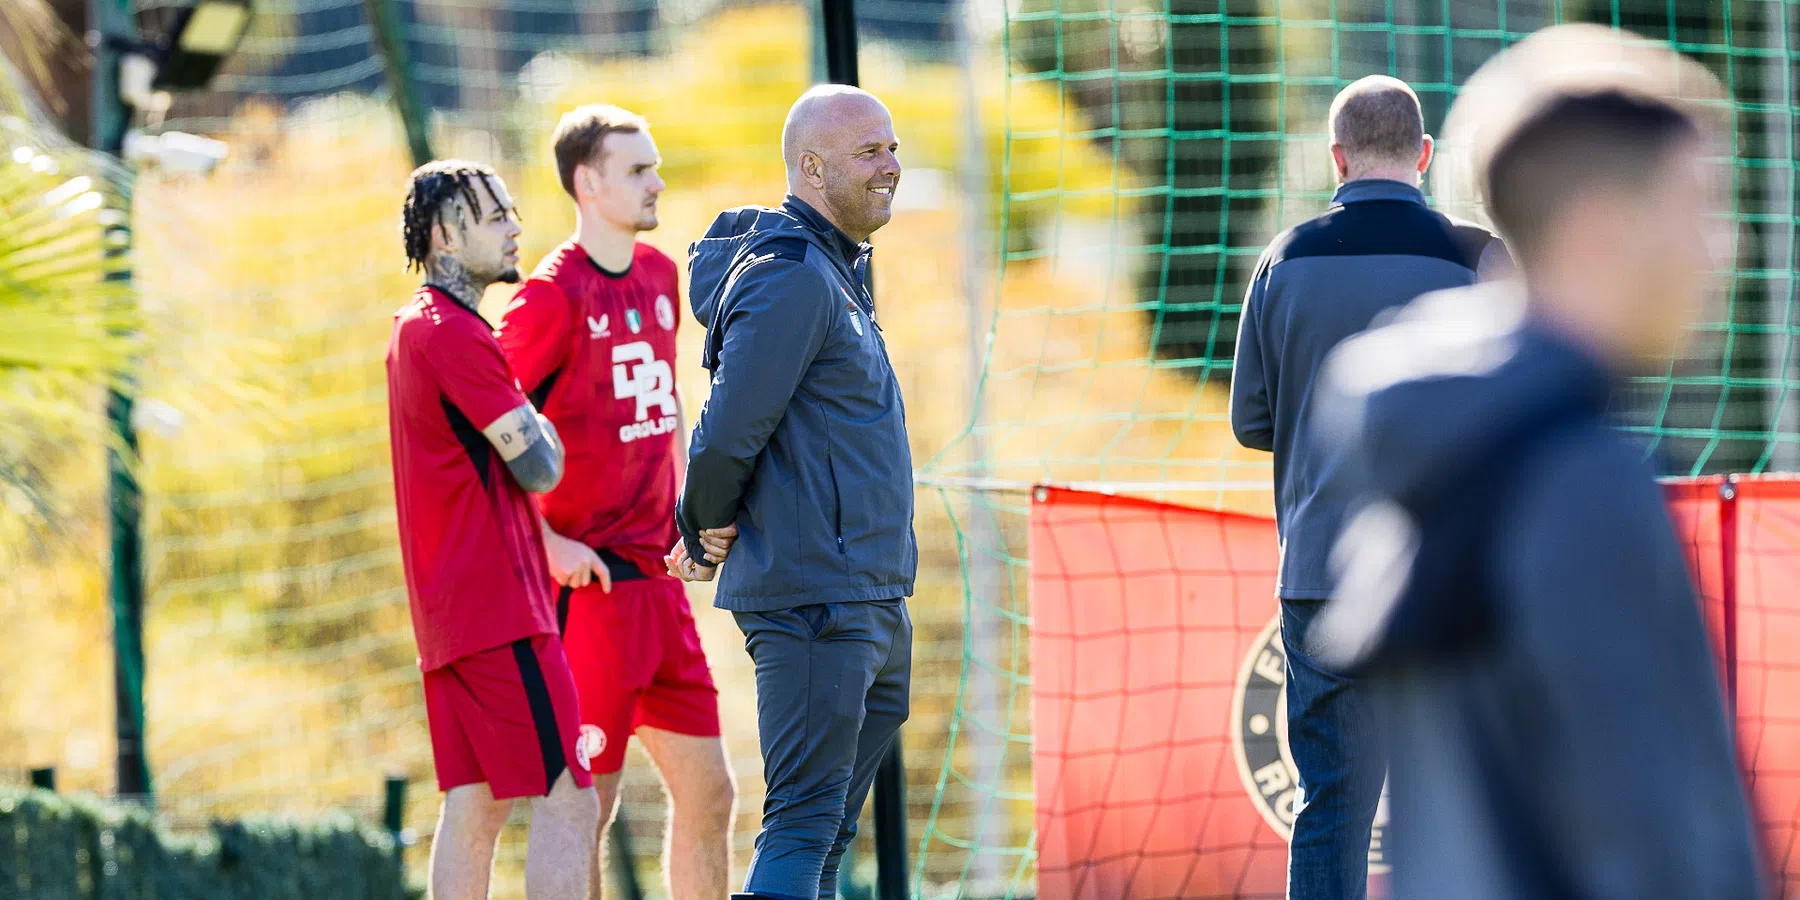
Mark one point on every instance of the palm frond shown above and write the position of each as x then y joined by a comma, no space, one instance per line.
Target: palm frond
62,310
71,329
37,37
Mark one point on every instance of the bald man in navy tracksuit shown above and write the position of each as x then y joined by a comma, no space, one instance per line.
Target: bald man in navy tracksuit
802,445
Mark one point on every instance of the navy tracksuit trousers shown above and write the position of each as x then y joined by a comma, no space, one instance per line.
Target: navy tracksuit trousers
832,686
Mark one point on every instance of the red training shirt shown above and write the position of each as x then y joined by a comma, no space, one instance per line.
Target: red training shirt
596,352
469,539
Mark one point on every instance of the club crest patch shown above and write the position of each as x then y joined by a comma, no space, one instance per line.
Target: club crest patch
589,745
1259,731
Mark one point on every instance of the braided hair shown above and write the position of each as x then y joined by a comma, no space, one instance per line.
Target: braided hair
433,187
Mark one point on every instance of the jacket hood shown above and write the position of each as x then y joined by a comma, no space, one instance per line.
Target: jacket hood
740,235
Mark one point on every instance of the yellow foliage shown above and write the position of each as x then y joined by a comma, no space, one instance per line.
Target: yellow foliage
281,663
744,67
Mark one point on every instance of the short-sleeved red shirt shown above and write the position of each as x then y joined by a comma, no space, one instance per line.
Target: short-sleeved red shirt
596,352
469,539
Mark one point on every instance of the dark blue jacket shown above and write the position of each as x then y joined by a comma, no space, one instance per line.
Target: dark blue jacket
1377,247
803,440
1515,591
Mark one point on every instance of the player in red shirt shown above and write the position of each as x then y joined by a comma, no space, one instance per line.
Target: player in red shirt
591,336
467,445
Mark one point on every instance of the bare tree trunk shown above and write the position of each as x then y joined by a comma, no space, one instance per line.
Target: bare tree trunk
50,61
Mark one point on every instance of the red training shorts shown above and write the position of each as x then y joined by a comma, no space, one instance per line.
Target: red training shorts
507,717
637,661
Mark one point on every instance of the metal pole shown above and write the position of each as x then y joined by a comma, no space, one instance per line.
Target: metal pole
986,713
44,778
390,37
892,881
891,878
624,860
1779,240
840,41
1728,579
393,809
113,19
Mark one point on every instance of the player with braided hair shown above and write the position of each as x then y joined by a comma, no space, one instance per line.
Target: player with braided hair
453,187
467,446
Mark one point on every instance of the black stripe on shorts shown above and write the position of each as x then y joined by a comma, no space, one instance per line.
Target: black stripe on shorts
617,567
543,712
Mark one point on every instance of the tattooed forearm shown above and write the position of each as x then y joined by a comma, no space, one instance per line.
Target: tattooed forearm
529,445
448,274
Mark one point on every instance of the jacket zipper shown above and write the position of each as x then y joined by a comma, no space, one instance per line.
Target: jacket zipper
837,495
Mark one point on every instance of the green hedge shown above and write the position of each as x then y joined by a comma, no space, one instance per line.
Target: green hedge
57,848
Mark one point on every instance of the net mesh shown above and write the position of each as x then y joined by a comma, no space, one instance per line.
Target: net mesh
273,566
1088,182
1119,273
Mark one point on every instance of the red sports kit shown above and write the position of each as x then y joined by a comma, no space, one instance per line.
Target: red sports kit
498,691
596,351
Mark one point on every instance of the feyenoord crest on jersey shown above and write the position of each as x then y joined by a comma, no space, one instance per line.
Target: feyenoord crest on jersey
1259,741
665,312
589,746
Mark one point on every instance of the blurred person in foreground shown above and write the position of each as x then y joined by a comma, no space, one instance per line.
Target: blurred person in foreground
803,445
1377,247
591,336
1511,580
467,446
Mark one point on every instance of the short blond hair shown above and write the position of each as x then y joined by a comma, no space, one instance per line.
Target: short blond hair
580,137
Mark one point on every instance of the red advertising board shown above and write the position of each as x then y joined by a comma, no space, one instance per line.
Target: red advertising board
1160,760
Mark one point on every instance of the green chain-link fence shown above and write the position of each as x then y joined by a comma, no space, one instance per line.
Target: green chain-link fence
1104,344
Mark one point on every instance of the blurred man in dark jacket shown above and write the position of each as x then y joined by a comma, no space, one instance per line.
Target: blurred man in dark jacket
1510,577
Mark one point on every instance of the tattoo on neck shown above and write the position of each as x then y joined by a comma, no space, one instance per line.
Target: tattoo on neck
448,274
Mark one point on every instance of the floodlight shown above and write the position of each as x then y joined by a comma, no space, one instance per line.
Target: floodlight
204,35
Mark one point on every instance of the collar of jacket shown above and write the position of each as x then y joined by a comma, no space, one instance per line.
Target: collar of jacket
1589,375
849,250
1366,189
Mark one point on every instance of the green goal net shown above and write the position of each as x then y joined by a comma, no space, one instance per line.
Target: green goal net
1109,312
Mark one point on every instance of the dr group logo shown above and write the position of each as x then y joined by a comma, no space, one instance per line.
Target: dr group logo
639,376
1259,740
